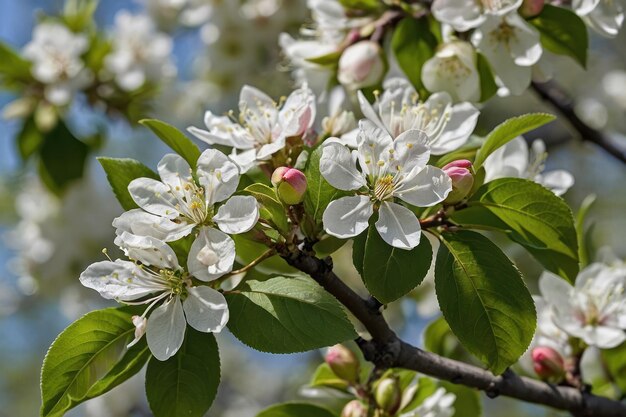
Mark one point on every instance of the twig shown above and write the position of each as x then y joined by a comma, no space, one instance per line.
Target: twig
386,350
555,95
268,253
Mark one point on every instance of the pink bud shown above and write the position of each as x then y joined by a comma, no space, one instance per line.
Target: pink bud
354,408
388,395
343,363
531,8
462,180
548,364
361,65
290,185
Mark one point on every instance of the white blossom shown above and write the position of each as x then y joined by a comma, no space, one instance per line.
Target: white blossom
603,16
594,310
463,15
156,277
263,125
511,46
514,159
439,404
56,54
139,53
389,169
453,70
398,109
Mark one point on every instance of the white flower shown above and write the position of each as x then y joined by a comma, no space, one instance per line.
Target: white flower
463,15
299,52
594,310
439,404
361,65
339,121
453,70
511,46
603,16
263,126
515,160
157,277
56,56
171,208
139,53
447,125
390,169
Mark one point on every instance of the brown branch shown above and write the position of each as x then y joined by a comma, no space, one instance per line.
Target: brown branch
553,94
385,350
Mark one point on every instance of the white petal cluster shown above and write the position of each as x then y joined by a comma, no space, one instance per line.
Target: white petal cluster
515,160
439,404
463,15
594,310
182,203
398,109
263,126
512,46
139,53
56,55
453,70
390,169
603,16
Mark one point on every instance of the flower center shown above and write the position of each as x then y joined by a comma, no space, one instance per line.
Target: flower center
383,188
176,280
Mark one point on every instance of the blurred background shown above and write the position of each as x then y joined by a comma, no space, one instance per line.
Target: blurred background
45,242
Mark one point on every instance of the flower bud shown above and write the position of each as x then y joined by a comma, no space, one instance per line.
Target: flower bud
361,65
354,408
290,185
531,8
548,364
343,363
388,395
462,180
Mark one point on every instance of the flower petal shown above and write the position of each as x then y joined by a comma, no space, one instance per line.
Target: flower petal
154,197
147,250
166,329
267,150
238,215
206,309
348,216
212,255
411,151
119,280
398,226
339,168
175,172
555,290
298,113
424,188
374,144
223,131
461,124
218,175
139,222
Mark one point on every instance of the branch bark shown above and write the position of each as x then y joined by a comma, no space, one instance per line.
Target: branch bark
386,350
553,94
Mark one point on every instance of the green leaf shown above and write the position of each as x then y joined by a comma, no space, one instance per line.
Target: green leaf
175,139
325,377
62,158
582,231
439,339
29,140
295,410
319,192
366,5
327,60
467,403
186,383
562,32
286,315
484,299
413,44
390,273
12,65
272,209
615,362
90,358
488,86
120,172
532,216
425,388
509,130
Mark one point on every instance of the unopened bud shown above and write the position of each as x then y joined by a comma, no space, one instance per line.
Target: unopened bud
548,364
462,180
388,395
361,65
354,408
290,185
343,363
531,8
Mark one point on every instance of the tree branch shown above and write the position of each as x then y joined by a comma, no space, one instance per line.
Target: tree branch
386,350
553,94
